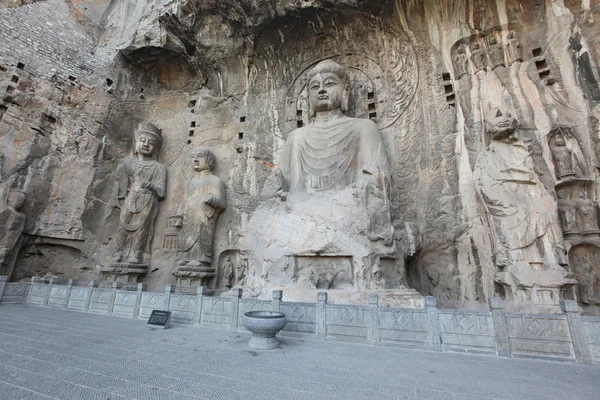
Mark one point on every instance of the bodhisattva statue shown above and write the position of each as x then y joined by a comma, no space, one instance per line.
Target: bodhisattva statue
140,186
202,201
523,217
12,223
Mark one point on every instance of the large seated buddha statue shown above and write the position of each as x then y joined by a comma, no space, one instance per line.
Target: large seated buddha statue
324,220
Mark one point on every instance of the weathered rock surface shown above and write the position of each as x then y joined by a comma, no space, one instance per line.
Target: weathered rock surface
77,77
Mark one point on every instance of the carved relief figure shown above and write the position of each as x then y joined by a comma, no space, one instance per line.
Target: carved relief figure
587,215
442,285
140,185
496,53
203,201
564,160
479,57
513,48
377,279
227,272
240,272
587,279
567,214
521,211
12,223
461,61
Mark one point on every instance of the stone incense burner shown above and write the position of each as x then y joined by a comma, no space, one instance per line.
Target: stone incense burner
264,325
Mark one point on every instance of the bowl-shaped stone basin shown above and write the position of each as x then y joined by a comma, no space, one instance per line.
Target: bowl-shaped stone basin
264,326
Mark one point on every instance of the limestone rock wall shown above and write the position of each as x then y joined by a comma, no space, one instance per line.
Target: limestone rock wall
229,75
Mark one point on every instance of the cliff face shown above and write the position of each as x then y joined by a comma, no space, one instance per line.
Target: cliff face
229,75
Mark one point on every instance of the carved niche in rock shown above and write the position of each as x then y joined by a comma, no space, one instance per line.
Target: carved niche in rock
12,223
523,216
578,213
584,260
203,200
140,185
566,154
514,51
490,49
228,270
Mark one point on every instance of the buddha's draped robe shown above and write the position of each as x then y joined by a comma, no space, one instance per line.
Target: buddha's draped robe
331,156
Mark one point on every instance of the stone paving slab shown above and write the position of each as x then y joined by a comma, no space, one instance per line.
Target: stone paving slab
55,354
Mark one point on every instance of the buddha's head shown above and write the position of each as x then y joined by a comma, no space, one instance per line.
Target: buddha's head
328,87
203,159
500,125
148,139
16,199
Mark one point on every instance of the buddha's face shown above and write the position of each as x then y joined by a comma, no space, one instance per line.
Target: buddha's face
146,144
500,125
326,91
199,161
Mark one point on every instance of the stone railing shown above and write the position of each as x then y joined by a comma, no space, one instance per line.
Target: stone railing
567,336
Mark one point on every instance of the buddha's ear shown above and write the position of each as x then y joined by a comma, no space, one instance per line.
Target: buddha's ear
345,98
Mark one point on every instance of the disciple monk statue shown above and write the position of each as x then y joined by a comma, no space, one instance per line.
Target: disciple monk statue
522,212
140,185
12,222
202,202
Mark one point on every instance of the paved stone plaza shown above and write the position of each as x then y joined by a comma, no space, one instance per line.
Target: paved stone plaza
52,354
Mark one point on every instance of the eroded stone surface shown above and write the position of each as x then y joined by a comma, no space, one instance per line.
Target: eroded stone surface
77,77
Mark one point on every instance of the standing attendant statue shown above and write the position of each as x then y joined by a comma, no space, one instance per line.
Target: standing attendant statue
12,223
203,201
140,186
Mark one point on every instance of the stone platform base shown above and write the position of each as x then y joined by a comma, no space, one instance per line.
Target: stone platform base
125,273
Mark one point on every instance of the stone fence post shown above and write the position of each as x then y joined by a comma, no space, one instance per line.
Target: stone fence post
169,290
141,288
500,328
373,333
235,307
200,290
35,280
3,280
88,299
321,328
580,345
113,296
276,302
70,285
433,321
51,283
